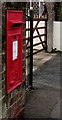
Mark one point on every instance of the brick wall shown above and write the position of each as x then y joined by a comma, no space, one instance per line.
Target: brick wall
12,105
0,60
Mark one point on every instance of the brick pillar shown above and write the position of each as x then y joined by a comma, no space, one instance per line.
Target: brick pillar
51,18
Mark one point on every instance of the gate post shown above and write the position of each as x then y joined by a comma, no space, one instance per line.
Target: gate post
31,48
46,35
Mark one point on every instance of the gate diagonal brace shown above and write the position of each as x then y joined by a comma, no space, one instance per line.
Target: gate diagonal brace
35,27
40,38
38,33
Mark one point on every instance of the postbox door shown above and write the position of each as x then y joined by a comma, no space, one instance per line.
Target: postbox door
14,55
14,63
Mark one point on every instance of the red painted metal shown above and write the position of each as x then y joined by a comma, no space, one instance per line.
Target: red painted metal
14,26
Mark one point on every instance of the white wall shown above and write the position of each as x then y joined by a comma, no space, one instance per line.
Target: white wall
57,35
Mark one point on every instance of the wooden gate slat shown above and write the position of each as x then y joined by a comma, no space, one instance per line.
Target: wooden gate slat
40,37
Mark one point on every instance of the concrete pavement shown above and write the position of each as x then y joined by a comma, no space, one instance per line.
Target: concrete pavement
44,100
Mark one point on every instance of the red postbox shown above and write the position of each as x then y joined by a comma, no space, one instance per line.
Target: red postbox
14,25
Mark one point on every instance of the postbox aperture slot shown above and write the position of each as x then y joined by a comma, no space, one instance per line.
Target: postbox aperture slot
16,24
